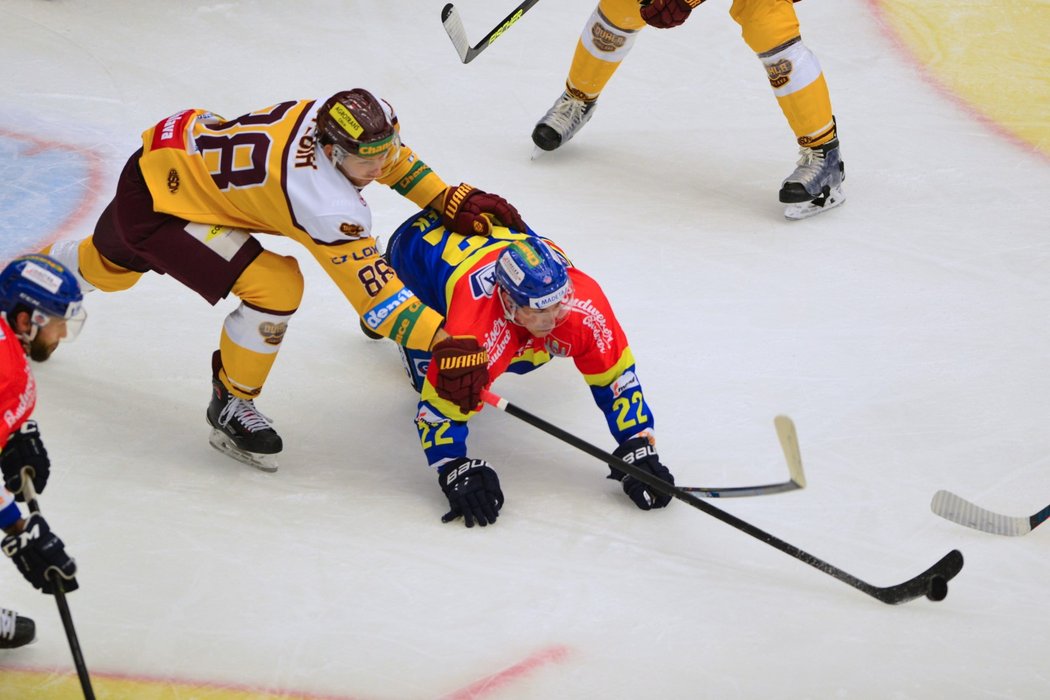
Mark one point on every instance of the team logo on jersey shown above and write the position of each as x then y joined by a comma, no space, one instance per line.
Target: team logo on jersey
272,333
557,347
173,181
351,230
483,281
779,73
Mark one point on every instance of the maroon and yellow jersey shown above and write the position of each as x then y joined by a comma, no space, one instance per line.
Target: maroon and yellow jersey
262,172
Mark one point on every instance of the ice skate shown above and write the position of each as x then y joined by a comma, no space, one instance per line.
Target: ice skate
241,431
816,184
561,122
15,630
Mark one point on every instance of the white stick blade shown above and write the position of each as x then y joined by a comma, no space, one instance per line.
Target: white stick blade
454,27
957,509
789,444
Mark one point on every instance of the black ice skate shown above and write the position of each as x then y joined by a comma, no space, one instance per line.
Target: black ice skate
816,184
561,122
15,630
240,431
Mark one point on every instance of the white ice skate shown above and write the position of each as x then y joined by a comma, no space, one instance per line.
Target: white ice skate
816,184
561,122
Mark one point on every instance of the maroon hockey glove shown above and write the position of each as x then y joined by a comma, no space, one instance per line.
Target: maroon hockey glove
464,208
665,14
462,371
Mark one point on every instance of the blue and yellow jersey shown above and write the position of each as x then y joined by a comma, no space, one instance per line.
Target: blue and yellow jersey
261,172
454,274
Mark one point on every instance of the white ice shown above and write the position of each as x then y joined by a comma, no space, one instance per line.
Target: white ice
906,333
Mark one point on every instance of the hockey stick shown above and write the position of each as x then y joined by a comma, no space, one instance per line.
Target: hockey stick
60,597
789,444
932,583
454,26
957,509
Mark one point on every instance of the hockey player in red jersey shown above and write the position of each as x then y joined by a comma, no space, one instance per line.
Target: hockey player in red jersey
520,296
188,202
771,29
40,306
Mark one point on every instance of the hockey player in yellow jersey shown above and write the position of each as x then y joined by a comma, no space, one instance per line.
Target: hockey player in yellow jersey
771,29
188,202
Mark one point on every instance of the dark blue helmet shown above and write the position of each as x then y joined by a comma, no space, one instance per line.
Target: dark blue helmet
44,287
532,274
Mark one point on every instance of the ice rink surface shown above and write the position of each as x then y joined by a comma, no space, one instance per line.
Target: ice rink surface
906,333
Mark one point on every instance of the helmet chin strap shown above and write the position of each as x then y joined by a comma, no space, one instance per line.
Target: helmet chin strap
508,311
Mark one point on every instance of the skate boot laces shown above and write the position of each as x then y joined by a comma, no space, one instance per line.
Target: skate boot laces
816,167
246,414
567,115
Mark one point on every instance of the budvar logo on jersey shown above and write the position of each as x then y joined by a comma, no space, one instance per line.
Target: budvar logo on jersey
26,400
483,281
627,380
171,132
375,317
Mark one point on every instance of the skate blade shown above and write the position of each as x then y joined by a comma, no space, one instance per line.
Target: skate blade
804,210
222,442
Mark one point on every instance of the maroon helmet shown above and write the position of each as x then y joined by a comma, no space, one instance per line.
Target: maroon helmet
355,122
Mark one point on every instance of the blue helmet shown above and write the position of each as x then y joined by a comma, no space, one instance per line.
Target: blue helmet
532,275
43,286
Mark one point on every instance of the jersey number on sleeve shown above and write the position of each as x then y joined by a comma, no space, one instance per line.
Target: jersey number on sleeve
623,405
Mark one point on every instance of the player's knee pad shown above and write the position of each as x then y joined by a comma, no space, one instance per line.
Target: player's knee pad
271,282
416,363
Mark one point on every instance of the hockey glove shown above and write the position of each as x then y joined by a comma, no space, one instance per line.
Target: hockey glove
472,489
41,556
24,449
642,454
469,211
665,14
462,370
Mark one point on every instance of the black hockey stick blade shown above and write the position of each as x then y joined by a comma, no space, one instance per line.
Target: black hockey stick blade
789,444
932,583
29,492
454,27
957,509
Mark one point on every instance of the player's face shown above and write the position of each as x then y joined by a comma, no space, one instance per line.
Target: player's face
47,339
362,171
540,322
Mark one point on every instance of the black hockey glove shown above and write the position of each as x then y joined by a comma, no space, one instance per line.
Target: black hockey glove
41,556
24,449
642,454
472,489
